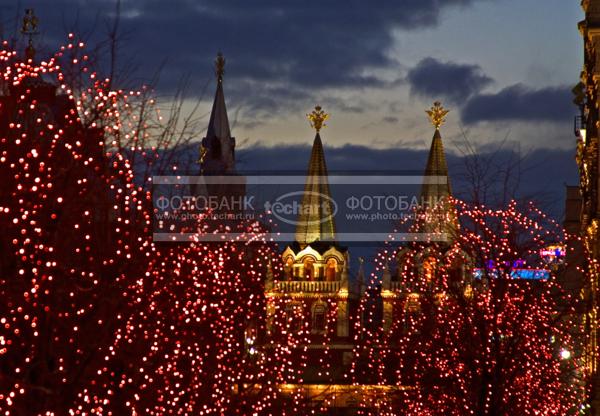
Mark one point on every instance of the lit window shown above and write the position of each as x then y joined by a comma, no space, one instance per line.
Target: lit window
288,269
331,270
429,268
309,269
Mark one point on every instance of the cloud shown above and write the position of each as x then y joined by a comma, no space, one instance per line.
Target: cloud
520,103
307,45
310,44
450,81
282,57
535,174
259,101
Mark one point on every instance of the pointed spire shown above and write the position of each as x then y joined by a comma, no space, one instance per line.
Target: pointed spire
436,161
436,190
217,149
436,167
315,221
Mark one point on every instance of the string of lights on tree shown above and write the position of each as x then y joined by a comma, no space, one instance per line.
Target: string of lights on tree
482,324
97,318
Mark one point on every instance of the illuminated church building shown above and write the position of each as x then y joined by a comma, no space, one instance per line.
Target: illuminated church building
319,298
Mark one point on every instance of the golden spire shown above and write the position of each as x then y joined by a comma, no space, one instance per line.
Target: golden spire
317,118
437,114
436,195
220,67
316,220
29,29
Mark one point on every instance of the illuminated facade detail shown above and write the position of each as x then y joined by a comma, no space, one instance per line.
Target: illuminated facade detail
331,269
342,395
428,267
308,269
412,302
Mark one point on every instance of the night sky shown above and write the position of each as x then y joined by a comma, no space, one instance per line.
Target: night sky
505,68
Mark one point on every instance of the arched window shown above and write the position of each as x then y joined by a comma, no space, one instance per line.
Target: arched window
288,268
331,270
309,268
319,316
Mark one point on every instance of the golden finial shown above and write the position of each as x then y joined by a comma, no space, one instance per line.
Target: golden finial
219,67
317,118
29,29
437,114
30,23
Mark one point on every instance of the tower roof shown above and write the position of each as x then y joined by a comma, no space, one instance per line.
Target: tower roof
436,191
436,166
217,151
436,161
218,124
316,221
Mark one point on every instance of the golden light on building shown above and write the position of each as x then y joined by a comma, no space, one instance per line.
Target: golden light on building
437,114
317,118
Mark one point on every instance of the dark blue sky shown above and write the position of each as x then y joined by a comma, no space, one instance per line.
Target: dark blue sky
505,69
502,66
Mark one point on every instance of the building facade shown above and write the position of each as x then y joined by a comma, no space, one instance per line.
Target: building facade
588,158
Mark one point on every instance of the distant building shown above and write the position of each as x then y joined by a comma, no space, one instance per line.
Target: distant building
315,287
217,159
217,150
588,160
